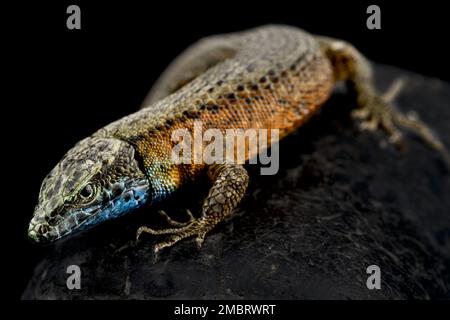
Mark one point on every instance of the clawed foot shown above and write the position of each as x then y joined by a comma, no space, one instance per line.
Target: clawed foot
182,230
379,113
229,182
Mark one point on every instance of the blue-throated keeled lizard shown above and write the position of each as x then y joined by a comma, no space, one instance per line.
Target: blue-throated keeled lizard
271,77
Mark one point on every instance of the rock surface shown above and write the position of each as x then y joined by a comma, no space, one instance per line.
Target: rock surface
340,203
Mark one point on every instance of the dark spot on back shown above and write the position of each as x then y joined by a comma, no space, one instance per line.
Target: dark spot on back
254,86
231,96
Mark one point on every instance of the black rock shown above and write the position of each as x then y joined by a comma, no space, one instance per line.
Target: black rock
340,203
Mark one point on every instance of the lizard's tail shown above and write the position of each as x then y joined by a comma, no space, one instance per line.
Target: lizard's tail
412,122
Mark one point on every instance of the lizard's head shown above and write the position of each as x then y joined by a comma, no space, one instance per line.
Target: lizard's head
98,179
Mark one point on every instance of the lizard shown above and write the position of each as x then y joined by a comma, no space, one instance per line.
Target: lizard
272,76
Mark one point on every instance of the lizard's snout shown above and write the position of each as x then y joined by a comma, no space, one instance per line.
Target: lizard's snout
38,231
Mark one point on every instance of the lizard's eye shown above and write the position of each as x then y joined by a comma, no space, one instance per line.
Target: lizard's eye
87,192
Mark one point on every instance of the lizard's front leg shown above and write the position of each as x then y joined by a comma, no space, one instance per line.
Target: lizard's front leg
374,111
229,184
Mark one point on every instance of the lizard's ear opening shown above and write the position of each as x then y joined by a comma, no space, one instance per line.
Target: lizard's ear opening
138,160
138,164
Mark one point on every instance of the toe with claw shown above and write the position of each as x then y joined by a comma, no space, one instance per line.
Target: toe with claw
193,228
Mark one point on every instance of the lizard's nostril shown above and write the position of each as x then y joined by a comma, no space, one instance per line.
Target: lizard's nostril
39,232
42,229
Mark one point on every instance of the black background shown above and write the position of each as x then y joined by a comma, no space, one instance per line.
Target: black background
68,83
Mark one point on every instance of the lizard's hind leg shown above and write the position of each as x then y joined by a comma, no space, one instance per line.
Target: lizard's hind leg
375,111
